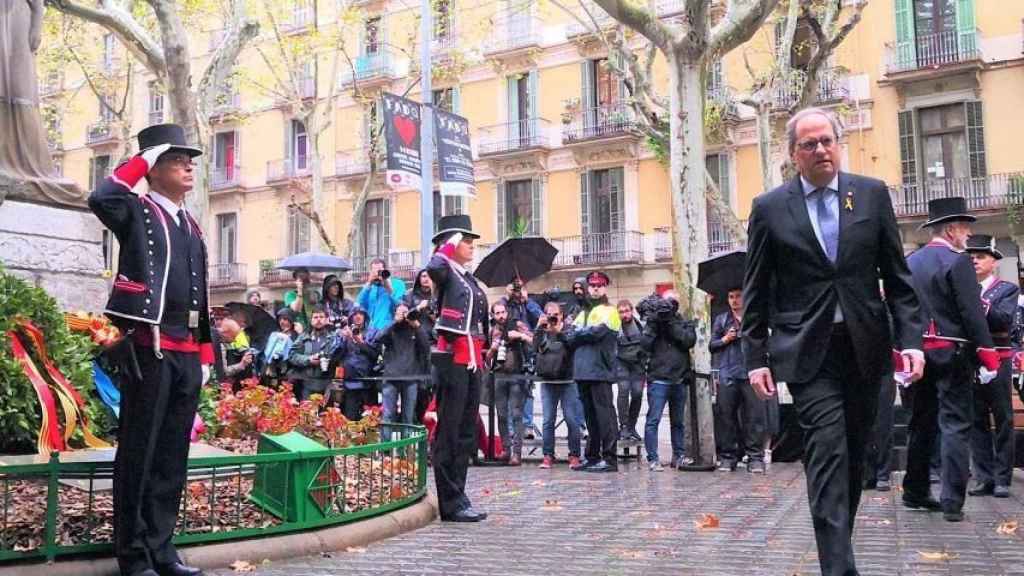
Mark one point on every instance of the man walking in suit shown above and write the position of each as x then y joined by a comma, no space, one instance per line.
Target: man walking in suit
992,450
957,337
818,247
159,301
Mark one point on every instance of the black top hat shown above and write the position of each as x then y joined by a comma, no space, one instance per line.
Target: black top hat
983,243
451,224
942,210
167,134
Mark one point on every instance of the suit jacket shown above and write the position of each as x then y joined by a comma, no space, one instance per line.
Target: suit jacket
790,288
1001,299
950,297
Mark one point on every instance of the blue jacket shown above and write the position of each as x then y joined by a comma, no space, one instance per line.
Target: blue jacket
380,305
726,357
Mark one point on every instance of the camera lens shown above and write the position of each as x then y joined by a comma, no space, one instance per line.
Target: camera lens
385,274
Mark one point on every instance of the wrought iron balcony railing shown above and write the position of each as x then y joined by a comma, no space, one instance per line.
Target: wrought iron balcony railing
992,192
512,136
832,87
227,276
609,120
514,32
934,51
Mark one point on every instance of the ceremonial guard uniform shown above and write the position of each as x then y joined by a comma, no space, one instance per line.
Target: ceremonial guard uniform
159,300
992,449
956,338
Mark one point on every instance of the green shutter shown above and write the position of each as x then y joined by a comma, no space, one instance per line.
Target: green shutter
500,203
536,208
908,147
616,202
975,138
588,94
906,49
512,90
967,39
533,112
585,203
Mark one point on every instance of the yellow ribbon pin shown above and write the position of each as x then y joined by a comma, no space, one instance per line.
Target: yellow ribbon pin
849,203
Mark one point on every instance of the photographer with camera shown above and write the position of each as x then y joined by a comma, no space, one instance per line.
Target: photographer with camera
406,349
668,338
357,353
310,358
554,371
337,307
522,309
631,361
506,357
380,295
238,358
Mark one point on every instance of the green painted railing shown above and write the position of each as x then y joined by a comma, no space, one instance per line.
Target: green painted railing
54,519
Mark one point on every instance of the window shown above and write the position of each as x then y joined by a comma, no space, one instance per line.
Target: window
602,201
447,206
299,145
714,83
298,231
376,228
106,107
108,62
718,166
225,157
156,104
519,208
372,36
99,169
442,20
521,99
307,80
302,14
227,238
446,99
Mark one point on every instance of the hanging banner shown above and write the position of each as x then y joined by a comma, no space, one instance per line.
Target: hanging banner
454,155
402,136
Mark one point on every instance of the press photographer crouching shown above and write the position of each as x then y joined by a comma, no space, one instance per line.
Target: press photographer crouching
310,358
554,372
507,359
668,338
406,350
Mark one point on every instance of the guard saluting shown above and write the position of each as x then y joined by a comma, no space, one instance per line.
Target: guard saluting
993,454
159,300
956,338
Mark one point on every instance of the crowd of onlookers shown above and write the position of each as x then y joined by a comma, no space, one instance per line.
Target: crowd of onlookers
572,349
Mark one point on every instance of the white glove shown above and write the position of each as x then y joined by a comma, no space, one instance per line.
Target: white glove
153,154
986,375
455,239
206,374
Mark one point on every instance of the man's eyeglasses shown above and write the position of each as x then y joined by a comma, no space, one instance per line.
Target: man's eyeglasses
182,160
812,145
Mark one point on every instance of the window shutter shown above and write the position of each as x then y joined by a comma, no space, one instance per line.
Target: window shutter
724,184
512,90
615,199
906,50
92,173
532,111
386,208
965,28
536,207
456,100
288,140
585,203
588,93
975,138
500,198
908,147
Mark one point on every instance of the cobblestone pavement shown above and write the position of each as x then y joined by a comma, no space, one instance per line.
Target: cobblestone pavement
555,522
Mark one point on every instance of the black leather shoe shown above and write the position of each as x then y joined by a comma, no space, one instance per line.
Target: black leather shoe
1001,491
952,515
587,463
603,466
883,486
465,515
916,503
982,489
177,569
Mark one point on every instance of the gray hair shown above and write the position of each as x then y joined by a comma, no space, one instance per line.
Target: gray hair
837,128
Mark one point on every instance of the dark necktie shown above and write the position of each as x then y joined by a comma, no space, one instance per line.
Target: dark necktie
183,223
827,225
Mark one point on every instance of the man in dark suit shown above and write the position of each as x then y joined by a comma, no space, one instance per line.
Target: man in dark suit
159,301
957,338
818,247
992,449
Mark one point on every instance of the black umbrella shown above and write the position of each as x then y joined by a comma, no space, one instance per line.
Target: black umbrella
718,275
523,258
259,324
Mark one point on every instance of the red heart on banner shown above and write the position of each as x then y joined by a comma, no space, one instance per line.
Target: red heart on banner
406,129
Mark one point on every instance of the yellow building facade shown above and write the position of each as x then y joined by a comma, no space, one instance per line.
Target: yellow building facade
930,92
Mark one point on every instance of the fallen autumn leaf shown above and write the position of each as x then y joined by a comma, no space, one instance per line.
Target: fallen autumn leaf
707,521
938,556
1008,527
242,566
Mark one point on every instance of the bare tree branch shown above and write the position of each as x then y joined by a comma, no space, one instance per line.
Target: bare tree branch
741,21
119,21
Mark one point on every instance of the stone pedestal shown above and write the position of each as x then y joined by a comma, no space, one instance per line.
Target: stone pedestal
58,249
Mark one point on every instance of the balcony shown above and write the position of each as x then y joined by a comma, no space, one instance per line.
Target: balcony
442,45
511,137
271,277
720,239
603,248
299,19
831,89
278,170
993,193
575,29
402,265
949,50
662,244
225,103
102,132
356,162
224,178
607,121
514,33
224,277
373,69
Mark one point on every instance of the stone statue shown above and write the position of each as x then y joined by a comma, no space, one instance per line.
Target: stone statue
26,169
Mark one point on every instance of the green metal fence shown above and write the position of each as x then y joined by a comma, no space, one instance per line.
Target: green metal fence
45,516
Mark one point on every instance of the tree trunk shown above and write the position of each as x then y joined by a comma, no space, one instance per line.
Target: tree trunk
765,144
689,213
316,169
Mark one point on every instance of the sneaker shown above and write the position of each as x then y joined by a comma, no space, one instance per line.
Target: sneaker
655,466
547,463
726,465
1001,491
574,463
755,467
883,486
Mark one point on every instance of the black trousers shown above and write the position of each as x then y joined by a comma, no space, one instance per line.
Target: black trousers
836,409
628,400
992,446
599,412
152,456
737,401
354,399
879,450
943,408
458,404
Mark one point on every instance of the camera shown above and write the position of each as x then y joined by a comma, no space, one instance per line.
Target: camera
552,319
656,308
356,330
384,274
412,315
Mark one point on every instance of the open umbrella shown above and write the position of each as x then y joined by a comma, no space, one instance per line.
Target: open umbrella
259,324
523,258
718,275
315,262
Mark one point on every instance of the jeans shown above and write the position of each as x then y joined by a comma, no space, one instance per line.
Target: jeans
391,392
660,393
628,399
510,397
568,396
